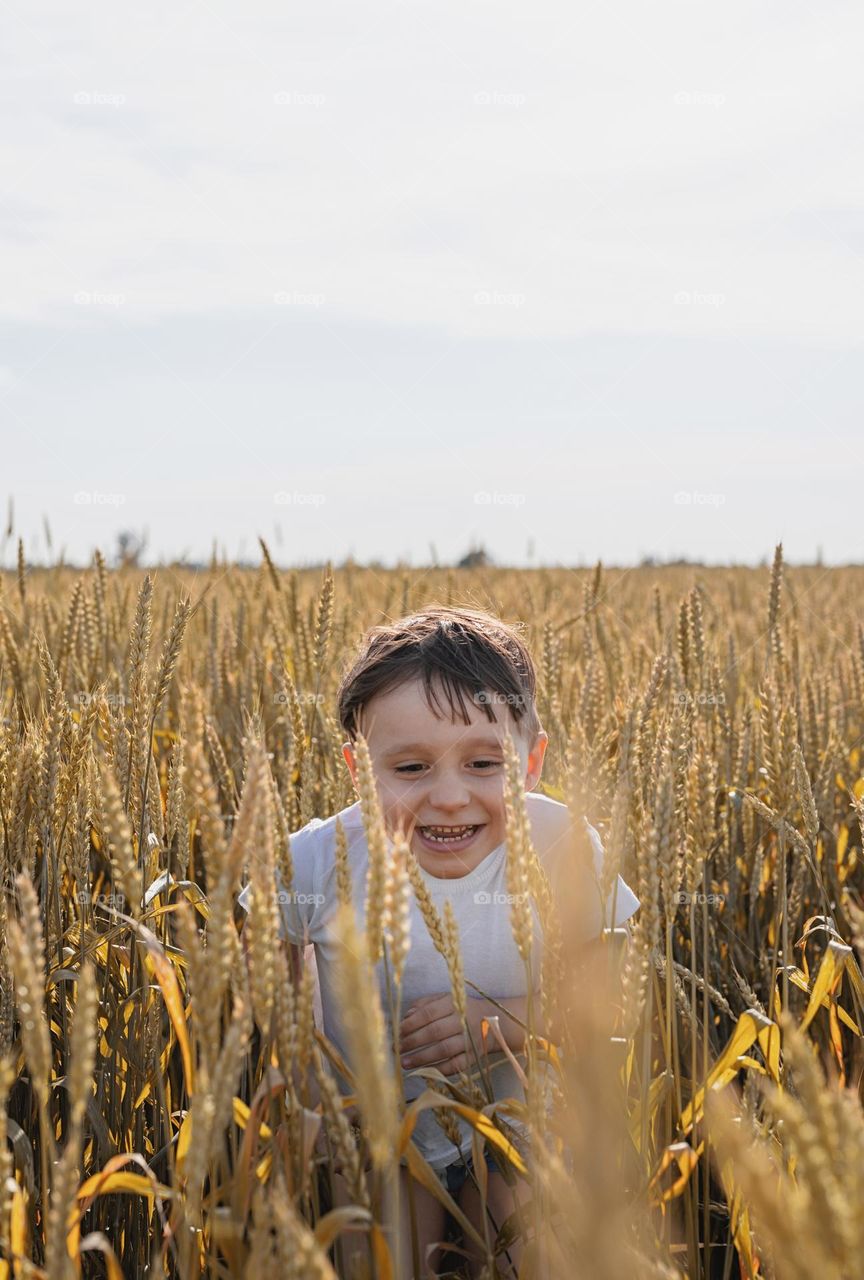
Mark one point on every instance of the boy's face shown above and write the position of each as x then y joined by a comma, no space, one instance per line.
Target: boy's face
436,776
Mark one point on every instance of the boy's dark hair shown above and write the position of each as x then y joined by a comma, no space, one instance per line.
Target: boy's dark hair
464,651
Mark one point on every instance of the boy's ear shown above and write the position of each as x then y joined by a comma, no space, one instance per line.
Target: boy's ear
534,766
350,760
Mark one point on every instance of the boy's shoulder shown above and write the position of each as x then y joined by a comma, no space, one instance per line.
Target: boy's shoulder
350,817
320,833
552,828
313,850
553,835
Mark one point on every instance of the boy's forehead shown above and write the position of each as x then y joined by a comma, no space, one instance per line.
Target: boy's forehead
403,716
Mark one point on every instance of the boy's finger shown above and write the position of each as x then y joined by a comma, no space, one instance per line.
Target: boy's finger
421,1014
424,1000
425,1018
432,1054
426,1033
455,1065
434,1033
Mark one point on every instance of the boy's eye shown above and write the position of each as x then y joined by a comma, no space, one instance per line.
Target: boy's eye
483,764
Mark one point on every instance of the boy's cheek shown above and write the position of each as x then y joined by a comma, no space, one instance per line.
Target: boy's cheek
395,822
396,813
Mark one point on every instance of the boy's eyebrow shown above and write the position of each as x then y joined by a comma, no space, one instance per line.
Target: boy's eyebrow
483,744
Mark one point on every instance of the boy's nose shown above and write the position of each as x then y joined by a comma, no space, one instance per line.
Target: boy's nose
449,796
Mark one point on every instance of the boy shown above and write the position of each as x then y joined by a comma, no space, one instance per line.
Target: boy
434,695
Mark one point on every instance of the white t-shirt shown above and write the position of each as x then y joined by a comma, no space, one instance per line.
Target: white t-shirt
482,910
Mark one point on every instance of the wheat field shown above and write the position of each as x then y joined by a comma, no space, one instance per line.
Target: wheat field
166,1107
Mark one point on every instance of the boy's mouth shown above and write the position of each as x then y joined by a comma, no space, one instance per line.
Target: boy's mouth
449,837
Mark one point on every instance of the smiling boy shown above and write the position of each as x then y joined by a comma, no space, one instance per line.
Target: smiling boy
435,695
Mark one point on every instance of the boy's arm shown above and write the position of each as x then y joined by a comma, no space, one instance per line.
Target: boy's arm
596,986
295,953
310,852
592,966
555,838
576,889
512,1027
592,973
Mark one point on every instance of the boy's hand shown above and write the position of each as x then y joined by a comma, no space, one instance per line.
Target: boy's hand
431,1035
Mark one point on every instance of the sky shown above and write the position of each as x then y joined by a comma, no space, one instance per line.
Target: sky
396,280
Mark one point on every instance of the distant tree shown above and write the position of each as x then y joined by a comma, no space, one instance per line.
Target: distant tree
130,548
477,558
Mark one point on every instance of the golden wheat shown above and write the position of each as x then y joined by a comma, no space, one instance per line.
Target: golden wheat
166,1097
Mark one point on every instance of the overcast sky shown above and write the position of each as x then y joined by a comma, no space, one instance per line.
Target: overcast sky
571,282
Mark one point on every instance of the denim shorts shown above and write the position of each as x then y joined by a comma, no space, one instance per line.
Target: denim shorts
454,1176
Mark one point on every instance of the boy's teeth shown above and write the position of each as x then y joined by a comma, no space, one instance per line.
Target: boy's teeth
448,833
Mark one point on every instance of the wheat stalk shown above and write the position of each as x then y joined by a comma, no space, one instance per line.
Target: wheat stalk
364,1028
